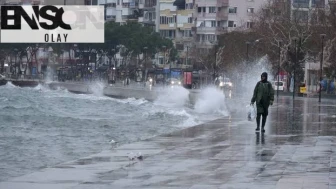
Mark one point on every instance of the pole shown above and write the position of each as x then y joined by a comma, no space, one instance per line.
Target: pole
187,56
279,71
320,92
295,62
247,44
214,67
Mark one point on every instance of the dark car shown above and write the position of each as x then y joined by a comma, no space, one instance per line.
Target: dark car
174,82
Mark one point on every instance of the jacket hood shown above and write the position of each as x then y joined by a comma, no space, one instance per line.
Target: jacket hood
265,75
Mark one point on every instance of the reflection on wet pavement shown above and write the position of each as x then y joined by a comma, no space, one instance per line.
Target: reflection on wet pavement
298,150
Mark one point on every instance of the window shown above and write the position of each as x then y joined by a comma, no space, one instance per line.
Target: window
301,3
301,16
126,5
163,20
211,37
231,24
190,20
189,6
249,24
233,10
250,10
110,5
213,23
212,9
187,33
170,20
168,33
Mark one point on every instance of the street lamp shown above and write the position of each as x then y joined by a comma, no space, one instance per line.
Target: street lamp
187,55
215,64
248,43
15,53
113,52
279,70
294,66
145,49
322,43
164,57
247,50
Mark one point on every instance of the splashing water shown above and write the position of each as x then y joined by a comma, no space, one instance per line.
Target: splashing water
10,85
173,97
211,100
97,88
245,80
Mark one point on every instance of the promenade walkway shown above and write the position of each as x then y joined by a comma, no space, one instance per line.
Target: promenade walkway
298,150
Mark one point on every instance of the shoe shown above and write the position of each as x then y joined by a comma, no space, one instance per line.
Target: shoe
263,130
257,129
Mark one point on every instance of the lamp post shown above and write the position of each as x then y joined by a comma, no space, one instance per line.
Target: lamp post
187,55
110,59
247,50
145,49
321,63
75,61
294,66
279,70
215,63
164,56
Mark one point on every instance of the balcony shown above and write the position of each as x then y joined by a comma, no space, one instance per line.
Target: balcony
222,15
212,3
149,21
211,30
147,4
301,5
171,26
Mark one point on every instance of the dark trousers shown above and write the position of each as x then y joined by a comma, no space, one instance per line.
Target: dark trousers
264,117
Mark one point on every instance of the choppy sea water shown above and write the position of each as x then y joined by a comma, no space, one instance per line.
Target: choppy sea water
41,127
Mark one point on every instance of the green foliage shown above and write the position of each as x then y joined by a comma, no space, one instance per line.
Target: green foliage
133,36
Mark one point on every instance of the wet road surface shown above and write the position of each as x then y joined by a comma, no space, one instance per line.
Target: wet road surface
298,150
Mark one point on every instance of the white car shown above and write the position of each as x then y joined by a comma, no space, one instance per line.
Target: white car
225,83
281,85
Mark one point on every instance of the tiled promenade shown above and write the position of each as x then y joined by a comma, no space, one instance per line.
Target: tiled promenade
298,150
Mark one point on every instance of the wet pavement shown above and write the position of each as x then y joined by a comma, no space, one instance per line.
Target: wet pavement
298,150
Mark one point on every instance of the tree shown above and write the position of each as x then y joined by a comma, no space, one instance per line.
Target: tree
282,28
240,50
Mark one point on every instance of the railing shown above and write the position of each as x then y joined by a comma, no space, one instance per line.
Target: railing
211,29
216,3
219,15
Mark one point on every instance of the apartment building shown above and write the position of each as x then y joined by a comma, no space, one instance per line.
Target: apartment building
120,10
242,13
304,10
176,22
211,21
148,12
47,2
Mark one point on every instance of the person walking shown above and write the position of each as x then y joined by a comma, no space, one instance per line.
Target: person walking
263,95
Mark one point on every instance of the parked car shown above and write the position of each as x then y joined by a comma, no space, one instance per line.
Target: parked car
281,85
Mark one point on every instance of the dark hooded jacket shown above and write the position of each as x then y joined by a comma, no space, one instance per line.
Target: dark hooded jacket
263,95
